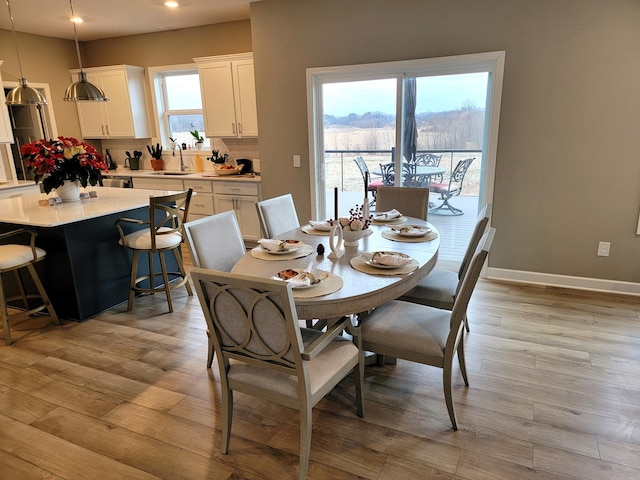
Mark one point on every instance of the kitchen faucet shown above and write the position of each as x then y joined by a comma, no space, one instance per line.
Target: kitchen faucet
183,167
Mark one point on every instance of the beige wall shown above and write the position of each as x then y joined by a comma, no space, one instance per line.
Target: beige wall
568,166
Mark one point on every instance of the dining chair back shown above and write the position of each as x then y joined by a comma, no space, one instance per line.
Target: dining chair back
206,252
440,287
424,334
451,188
15,258
428,160
372,185
162,232
277,215
413,202
263,352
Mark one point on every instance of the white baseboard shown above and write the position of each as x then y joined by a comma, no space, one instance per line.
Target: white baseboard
565,281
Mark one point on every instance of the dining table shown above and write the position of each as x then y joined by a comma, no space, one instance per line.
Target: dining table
351,285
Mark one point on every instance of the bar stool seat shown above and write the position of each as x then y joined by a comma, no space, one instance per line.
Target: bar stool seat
161,233
14,258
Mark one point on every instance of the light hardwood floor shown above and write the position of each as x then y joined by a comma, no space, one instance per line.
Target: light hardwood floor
554,393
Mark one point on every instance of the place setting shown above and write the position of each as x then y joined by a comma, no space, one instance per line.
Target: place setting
318,227
410,233
384,263
391,217
310,282
276,249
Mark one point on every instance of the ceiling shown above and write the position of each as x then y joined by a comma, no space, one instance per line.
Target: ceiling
116,18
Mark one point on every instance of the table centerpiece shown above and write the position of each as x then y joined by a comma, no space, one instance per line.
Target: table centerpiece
355,226
64,162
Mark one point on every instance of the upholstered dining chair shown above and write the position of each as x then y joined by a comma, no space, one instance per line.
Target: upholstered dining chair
277,215
17,257
410,201
427,335
440,287
162,232
206,253
263,352
450,188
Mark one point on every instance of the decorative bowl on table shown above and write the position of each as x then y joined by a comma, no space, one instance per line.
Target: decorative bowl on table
351,237
227,169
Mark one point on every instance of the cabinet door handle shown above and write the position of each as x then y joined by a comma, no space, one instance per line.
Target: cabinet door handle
239,127
233,127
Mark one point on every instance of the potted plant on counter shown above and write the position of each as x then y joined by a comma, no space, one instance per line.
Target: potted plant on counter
199,138
64,164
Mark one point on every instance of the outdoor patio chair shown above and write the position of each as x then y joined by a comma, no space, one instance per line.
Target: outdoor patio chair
440,288
428,160
451,188
427,335
373,185
264,353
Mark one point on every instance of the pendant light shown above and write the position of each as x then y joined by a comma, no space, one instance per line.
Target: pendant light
82,89
23,94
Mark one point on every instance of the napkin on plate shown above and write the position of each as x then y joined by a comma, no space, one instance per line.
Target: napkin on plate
275,245
387,258
390,215
412,230
320,225
300,280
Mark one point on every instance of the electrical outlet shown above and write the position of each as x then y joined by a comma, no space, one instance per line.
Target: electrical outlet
296,161
603,249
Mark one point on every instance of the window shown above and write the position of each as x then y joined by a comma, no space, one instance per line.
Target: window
178,105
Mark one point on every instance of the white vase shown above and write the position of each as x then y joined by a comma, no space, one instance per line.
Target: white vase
352,237
69,192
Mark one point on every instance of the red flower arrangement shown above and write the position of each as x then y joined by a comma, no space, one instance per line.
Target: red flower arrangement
64,159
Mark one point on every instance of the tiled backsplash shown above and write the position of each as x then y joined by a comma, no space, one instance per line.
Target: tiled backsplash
236,148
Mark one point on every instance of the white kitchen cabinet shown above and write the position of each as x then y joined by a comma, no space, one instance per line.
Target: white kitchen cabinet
202,202
242,198
125,114
227,86
6,135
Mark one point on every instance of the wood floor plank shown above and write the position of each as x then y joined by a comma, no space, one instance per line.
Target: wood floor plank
553,394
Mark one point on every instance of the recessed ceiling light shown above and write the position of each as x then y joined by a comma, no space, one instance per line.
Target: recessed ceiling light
76,19
171,4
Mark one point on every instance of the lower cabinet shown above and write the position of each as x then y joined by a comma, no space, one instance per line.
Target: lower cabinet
215,196
242,198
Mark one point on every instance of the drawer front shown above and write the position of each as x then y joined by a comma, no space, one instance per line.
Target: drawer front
201,204
158,183
236,188
199,186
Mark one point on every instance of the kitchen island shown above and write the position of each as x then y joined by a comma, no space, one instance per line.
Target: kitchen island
86,271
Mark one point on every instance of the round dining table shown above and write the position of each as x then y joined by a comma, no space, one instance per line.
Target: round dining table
359,291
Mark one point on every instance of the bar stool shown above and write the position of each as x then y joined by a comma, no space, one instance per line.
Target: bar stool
163,232
13,258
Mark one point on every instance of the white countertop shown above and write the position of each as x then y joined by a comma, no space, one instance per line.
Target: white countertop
166,174
25,209
10,184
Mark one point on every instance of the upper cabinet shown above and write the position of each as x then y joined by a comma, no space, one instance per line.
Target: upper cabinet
125,114
228,95
6,135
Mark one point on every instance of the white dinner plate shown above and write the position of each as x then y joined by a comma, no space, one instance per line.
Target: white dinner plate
320,276
294,246
382,266
320,227
411,230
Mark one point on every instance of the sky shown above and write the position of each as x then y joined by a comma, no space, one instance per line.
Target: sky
435,94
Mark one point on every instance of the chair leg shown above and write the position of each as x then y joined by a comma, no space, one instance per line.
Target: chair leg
466,322
132,281
305,440
227,416
183,272
165,278
448,395
5,316
210,350
446,205
43,293
462,362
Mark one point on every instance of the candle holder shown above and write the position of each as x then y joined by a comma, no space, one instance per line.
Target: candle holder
335,241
